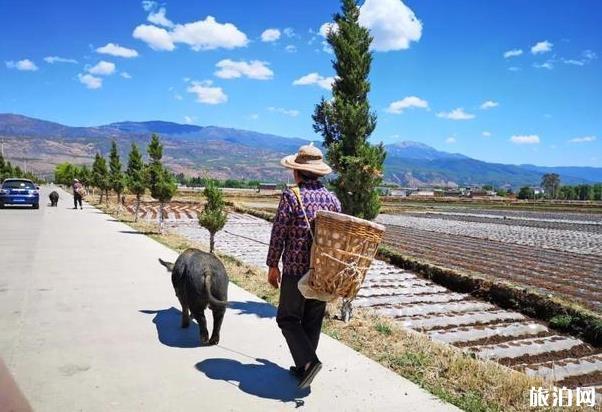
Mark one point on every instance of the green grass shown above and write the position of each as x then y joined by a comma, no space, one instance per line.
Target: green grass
383,328
562,322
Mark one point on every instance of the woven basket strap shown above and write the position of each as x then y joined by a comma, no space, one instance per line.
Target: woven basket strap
297,193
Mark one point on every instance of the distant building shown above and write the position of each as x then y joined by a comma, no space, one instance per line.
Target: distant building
399,192
452,193
267,186
423,193
538,190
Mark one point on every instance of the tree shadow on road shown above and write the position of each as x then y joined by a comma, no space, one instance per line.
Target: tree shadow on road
169,331
136,232
264,379
259,309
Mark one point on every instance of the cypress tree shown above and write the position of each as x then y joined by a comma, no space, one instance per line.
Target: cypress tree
100,176
213,218
160,182
346,121
116,178
135,176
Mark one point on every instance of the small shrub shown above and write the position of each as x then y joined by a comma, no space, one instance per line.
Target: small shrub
383,328
562,322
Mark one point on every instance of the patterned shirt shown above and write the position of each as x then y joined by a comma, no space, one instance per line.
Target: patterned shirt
291,237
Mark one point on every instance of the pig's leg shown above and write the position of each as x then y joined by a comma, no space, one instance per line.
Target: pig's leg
185,313
218,317
199,315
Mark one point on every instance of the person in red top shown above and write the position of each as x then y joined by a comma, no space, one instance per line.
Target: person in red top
299,319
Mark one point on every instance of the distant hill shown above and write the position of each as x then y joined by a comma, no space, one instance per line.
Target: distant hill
233,153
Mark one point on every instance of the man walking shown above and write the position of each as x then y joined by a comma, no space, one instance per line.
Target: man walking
77,194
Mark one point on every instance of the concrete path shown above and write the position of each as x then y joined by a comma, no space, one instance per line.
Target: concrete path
89,322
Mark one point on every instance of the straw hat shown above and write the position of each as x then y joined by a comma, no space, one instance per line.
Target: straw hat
309,158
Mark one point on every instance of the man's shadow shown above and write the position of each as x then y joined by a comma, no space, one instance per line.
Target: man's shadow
264,379
169,331
259,309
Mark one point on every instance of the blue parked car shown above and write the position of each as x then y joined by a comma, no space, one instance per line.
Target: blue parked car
19,192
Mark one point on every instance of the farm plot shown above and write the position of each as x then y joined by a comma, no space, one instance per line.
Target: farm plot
468,246
579,242
175,210
575,225
453,318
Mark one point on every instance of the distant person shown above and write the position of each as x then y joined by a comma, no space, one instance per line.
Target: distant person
299,319
77,194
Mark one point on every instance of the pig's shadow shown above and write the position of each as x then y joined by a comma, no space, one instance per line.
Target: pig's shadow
259,309
264,379
169,331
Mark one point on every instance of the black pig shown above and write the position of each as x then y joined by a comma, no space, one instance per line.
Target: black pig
54,198
200,280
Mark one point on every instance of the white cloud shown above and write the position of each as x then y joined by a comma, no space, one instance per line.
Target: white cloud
205,34
323,31
125,75
207,93
589,55
270,35
456,114
255,69
189,119
525,139
392,24
450,140
159,18
486,134
23,65
585,139
542,47
514,69
91,82
208,34
57,59
289,32
156,37
547,65
397,107
513,53
178,96
253,116
327,28
489,104
291,48
574,62
102,68
149,5
117,50
315,79
287,112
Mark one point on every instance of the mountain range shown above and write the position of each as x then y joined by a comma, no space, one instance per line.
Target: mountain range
231,153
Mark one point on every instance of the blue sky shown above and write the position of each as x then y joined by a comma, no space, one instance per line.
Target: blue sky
507,81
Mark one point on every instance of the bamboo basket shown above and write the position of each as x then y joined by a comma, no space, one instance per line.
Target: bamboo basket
343,250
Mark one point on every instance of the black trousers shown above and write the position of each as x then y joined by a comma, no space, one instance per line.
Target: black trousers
77,198
300,320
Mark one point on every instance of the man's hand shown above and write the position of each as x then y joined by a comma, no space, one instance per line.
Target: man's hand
274,277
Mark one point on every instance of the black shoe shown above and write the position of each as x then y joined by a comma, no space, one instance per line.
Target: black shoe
296,372
310,374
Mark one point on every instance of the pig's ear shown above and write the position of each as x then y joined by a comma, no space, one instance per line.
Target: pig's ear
168,265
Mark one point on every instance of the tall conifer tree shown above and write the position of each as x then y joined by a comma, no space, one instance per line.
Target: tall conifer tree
346,121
